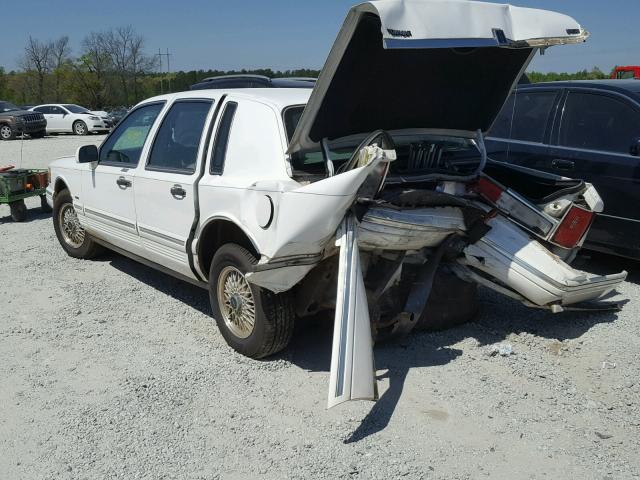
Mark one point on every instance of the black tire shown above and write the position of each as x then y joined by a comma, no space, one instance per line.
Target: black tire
274,316
39,134
44,206
7,132
452,302
85,250
18,211
80,128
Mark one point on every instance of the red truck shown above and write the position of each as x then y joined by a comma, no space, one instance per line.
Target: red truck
620,73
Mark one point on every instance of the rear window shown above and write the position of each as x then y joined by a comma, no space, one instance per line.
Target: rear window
599,122
524,117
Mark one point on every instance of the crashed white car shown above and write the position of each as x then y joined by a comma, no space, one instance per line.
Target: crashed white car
356,197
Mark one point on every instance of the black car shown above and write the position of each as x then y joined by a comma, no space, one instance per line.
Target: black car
253,81
15,121
581,129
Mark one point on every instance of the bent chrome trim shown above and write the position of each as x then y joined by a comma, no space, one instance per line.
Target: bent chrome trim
352,369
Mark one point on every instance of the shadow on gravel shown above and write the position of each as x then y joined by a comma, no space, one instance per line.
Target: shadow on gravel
499,317
182,291
33,214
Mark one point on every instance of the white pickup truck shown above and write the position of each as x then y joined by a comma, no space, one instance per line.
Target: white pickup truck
356,197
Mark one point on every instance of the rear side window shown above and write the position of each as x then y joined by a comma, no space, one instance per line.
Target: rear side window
175,147
124,145
524,117
599,122
291,118
222,139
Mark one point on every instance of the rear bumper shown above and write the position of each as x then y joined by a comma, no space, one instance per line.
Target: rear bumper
508,255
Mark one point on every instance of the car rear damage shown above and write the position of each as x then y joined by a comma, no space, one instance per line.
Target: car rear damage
368,236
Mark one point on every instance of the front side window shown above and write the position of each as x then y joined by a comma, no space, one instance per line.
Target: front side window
175,147
124,146
598,122
524,117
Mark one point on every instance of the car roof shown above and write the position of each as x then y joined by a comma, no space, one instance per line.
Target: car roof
276,97
629,87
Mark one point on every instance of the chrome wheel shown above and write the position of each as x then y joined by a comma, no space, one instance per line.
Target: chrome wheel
5,132
70,227
79,128
236,302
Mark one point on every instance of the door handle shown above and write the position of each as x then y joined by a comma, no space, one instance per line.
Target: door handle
560,164
123,182
178,192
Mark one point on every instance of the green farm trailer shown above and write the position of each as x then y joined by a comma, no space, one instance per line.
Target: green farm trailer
18,184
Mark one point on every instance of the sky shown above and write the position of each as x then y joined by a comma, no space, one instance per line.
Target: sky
283,34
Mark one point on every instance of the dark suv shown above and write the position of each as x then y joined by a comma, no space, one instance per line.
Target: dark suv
583,129
15,121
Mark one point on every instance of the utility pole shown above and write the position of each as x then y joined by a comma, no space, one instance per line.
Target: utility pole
168,69
160,55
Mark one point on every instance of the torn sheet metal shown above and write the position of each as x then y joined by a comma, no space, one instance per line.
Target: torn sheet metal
307,218
409,229
352,366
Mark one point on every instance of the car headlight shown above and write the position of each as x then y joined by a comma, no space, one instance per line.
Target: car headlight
94,118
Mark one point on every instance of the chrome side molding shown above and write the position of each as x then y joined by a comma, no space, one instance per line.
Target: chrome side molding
352,374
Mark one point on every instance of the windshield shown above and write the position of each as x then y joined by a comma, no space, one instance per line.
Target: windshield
76,109
7,107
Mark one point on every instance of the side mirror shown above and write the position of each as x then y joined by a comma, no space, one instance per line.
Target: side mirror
87,154
635,147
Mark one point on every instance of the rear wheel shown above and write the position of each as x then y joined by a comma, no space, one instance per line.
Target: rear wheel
254,322
80,128
18,211
7,133
73,238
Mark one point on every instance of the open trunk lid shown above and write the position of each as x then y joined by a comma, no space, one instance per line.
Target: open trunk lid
399,64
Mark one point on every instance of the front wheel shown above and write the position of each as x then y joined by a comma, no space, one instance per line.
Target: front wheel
7,133
73,238
80,128
254,322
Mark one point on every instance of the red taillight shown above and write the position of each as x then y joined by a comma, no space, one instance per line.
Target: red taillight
573,227
488,189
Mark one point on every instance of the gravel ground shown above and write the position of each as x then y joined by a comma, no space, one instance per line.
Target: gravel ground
39,152
111,370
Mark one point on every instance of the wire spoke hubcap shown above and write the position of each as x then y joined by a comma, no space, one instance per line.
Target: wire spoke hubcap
72,231
236,302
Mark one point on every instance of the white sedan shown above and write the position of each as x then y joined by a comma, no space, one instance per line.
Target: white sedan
70,118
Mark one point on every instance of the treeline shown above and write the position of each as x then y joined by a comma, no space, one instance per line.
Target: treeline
594,74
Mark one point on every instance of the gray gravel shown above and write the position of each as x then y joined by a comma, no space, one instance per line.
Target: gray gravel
39,152
109,369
